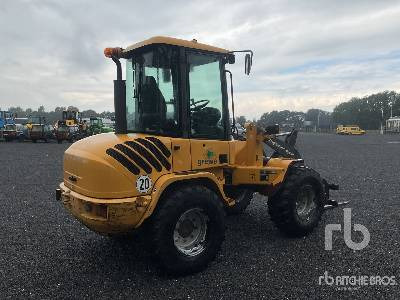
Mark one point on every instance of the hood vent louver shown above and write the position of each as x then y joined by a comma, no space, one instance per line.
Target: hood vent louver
145,153
140,153
123,161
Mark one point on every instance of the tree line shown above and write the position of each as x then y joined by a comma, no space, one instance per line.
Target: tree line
368,112
293,119
52,116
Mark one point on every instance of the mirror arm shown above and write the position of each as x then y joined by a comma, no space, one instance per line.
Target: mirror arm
233,103
250,55
119,69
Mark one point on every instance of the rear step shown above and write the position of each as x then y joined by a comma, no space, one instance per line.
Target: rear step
334,204
330,203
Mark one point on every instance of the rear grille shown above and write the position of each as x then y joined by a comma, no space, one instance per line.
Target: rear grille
145,153
123,161
136,158
160,145
142,153
156,152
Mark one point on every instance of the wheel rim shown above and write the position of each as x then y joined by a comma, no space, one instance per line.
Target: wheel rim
306,202
190,232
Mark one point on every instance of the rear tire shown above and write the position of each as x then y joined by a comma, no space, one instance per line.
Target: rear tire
297,209
188,229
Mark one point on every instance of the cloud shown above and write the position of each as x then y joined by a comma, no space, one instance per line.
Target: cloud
307,53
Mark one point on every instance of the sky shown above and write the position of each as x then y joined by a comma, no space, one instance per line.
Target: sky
307,54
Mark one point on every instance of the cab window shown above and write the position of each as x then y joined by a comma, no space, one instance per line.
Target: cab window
205,94
152,98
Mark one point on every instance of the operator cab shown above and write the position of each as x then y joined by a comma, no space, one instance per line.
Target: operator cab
70,117
94,121
173,88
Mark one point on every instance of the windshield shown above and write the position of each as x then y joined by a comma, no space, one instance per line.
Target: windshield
152,92
69,115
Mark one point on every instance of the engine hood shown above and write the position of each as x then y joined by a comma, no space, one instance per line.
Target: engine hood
113,166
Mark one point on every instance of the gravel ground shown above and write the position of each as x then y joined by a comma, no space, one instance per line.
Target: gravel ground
45,253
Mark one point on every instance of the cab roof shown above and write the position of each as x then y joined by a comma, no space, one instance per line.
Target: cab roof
193,44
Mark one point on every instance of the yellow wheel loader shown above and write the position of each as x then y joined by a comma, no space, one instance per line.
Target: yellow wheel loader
173,167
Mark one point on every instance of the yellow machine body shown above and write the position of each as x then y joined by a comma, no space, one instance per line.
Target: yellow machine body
101,189
114,181
70,122
349,130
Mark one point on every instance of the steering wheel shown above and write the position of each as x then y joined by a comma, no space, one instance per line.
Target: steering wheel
198,105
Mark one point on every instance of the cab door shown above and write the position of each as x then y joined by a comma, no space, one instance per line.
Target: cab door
208,110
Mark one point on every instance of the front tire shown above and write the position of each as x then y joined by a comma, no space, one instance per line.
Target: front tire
188,229
297,209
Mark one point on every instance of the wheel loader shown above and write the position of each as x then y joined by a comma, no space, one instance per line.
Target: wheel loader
173,168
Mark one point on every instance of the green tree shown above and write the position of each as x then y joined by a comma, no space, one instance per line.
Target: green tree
284,118
368,112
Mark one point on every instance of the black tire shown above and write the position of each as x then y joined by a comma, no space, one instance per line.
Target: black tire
165,233
242,198
284,207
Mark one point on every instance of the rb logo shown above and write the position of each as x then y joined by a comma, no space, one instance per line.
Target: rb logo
347,233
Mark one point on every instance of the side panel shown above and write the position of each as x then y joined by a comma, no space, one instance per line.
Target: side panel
208,154
236,147
181,156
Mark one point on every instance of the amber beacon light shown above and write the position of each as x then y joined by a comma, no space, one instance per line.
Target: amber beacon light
116,52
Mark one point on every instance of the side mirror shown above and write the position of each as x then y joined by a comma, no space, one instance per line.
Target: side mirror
230,58
248,61
272,129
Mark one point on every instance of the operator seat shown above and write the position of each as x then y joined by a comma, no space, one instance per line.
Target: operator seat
154,108
205,122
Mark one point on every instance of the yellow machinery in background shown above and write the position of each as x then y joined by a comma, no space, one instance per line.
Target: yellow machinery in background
70,117
172,165
349,130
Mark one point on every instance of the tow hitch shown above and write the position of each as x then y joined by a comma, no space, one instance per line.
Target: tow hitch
331,203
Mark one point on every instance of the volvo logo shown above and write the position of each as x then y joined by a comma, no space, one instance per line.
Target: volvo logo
73,178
